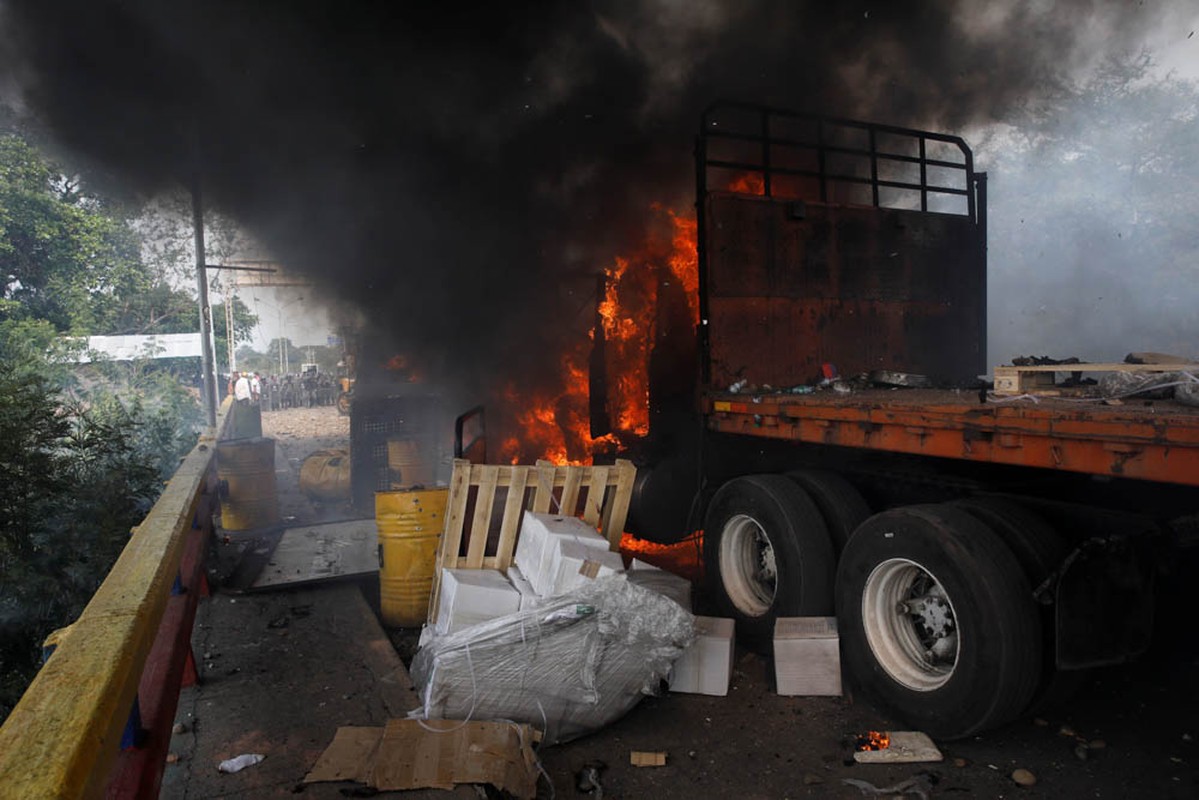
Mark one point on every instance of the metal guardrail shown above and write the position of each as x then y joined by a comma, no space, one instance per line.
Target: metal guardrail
63,739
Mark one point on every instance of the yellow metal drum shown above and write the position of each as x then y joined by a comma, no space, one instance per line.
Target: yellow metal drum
246,469
325,476
407,464
410,525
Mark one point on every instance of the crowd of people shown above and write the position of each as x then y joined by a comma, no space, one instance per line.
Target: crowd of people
276,392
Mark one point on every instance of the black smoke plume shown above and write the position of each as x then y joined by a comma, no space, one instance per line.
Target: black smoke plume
461,172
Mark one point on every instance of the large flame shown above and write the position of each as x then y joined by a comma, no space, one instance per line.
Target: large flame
554,424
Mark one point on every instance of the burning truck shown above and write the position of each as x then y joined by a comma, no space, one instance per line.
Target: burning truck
800,382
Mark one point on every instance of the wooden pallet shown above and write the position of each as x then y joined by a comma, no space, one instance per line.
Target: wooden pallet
487,502
1040,379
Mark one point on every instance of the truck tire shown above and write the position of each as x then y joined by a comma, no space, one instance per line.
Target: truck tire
937,620
841,505
767,554
1034,543
1040,550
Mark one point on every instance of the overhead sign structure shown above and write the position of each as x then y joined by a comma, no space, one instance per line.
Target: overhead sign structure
129,348
260,272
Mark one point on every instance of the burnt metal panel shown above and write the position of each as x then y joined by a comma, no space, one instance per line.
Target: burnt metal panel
831,240
863,288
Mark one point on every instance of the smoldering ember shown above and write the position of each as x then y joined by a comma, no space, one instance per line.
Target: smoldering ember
628,398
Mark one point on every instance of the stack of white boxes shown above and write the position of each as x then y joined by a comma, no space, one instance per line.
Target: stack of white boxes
471,596
555,553
807,656
706,666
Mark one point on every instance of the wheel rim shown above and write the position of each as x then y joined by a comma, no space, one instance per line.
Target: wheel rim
747,565
910,625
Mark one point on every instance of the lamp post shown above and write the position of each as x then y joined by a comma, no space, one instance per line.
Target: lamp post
284,356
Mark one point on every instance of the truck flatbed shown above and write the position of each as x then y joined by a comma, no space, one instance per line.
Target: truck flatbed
1148,440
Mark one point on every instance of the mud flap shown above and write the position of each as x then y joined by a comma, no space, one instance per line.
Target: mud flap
1104,601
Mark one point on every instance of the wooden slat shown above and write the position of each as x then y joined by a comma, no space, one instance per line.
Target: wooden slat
543,492
1103,367
618,511
571,480
481,525
595,496
451,536
513,509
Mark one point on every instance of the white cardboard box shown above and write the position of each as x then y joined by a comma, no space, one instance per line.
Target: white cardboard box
577,562
471,596
807,656
706,666
665,583
536,548
528,597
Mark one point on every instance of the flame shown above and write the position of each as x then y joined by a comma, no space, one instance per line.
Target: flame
684,558
400,363
874,740
748,183
554,424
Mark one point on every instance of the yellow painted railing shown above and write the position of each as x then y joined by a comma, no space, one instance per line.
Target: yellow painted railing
64,735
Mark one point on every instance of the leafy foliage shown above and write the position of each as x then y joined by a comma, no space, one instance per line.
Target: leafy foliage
84,451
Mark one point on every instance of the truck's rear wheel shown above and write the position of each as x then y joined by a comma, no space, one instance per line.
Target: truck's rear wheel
841,505
767,554
1041,551
937,620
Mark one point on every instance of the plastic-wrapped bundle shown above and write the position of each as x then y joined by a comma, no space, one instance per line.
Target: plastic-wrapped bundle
570,666
1150,385
1188,393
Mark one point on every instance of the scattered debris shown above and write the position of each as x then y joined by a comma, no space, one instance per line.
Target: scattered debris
961,762
172,758
1066,730
1024,777
179,727
645,758
587,779
1043,361
1080,752
1097,744
899,747
887,377
1155,358
919,785
810,779
238,763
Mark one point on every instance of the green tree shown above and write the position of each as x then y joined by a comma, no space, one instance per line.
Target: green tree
84,450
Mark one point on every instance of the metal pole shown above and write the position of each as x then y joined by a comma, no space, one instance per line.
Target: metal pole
229,343
205,309
279,333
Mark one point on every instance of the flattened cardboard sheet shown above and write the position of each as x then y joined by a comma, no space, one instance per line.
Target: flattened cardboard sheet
349,757
412,756
433,754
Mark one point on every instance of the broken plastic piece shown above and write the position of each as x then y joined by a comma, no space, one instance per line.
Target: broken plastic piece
238,763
